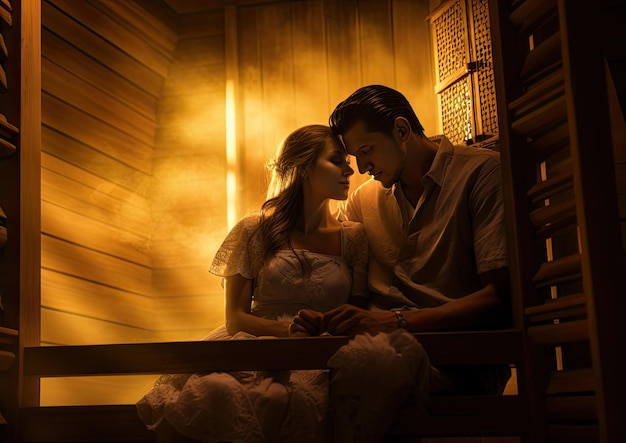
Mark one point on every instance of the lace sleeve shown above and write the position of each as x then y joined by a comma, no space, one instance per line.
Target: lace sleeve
240,252
356,255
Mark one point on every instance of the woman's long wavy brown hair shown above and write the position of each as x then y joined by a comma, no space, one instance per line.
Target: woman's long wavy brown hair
294,158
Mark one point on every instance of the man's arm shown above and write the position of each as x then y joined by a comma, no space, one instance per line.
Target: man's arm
486,308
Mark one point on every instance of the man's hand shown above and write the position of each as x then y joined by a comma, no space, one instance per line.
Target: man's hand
305,323
351,320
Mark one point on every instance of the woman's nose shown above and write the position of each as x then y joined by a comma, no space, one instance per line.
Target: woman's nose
348,171
365,168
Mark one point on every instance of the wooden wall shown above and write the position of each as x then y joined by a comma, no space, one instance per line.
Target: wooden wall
103,66
188,192
298,60
134,196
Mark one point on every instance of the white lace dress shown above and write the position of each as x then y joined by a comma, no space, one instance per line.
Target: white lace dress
252,406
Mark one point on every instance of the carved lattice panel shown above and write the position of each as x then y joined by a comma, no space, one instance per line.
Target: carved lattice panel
456,108
485,100
451,36
465,80
450,29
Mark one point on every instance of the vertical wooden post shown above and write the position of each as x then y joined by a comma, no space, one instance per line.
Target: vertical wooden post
30,192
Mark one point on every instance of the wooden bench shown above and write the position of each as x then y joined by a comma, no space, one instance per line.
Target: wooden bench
450,415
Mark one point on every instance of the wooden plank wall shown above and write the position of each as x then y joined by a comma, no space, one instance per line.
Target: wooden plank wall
188,193
297,60
103,66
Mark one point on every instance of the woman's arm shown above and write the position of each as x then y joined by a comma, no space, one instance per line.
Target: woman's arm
238,292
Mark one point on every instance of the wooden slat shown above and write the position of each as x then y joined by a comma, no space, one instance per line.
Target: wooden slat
571,381
93,204
96,235
551,186
558,271
554,216
88,166
309,61
376,42
63,328
66,177
73,60
344,73
94,266
542,119
141,23
112,31
413,60
72,295
561,333
187,280
6,360
552,309
543,60
275,40
250,127
268,354
538,94
550,141
95,133
530,12
100,50
64,85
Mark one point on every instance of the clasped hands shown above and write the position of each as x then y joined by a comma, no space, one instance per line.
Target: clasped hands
343,320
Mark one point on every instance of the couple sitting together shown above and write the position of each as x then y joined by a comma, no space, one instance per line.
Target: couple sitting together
420,247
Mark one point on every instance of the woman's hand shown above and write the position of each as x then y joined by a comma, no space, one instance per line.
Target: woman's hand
352,320
306,322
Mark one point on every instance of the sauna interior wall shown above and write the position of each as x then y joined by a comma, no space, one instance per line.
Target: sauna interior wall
134,201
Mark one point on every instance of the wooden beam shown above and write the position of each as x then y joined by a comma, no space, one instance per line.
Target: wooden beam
459,348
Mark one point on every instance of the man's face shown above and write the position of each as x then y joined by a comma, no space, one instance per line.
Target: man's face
377,154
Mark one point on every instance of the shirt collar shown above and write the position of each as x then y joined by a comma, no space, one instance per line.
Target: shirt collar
438,168
443,157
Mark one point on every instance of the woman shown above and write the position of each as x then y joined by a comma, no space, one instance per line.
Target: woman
294,255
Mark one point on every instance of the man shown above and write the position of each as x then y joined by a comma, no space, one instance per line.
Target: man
434,219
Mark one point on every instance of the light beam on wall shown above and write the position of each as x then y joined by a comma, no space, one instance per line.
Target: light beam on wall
231,155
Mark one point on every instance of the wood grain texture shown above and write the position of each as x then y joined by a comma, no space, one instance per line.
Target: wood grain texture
101,50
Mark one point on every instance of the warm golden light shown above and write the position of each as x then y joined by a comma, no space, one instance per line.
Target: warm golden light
231,155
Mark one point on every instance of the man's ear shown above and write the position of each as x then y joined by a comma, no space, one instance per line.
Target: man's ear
403,128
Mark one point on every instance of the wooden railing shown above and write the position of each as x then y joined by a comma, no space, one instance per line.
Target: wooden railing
449,416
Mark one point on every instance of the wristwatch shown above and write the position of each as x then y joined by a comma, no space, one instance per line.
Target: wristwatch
402,323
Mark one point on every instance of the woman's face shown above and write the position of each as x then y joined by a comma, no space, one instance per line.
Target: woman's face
329,176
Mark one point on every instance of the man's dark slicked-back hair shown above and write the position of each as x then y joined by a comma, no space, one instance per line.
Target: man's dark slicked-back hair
377,107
